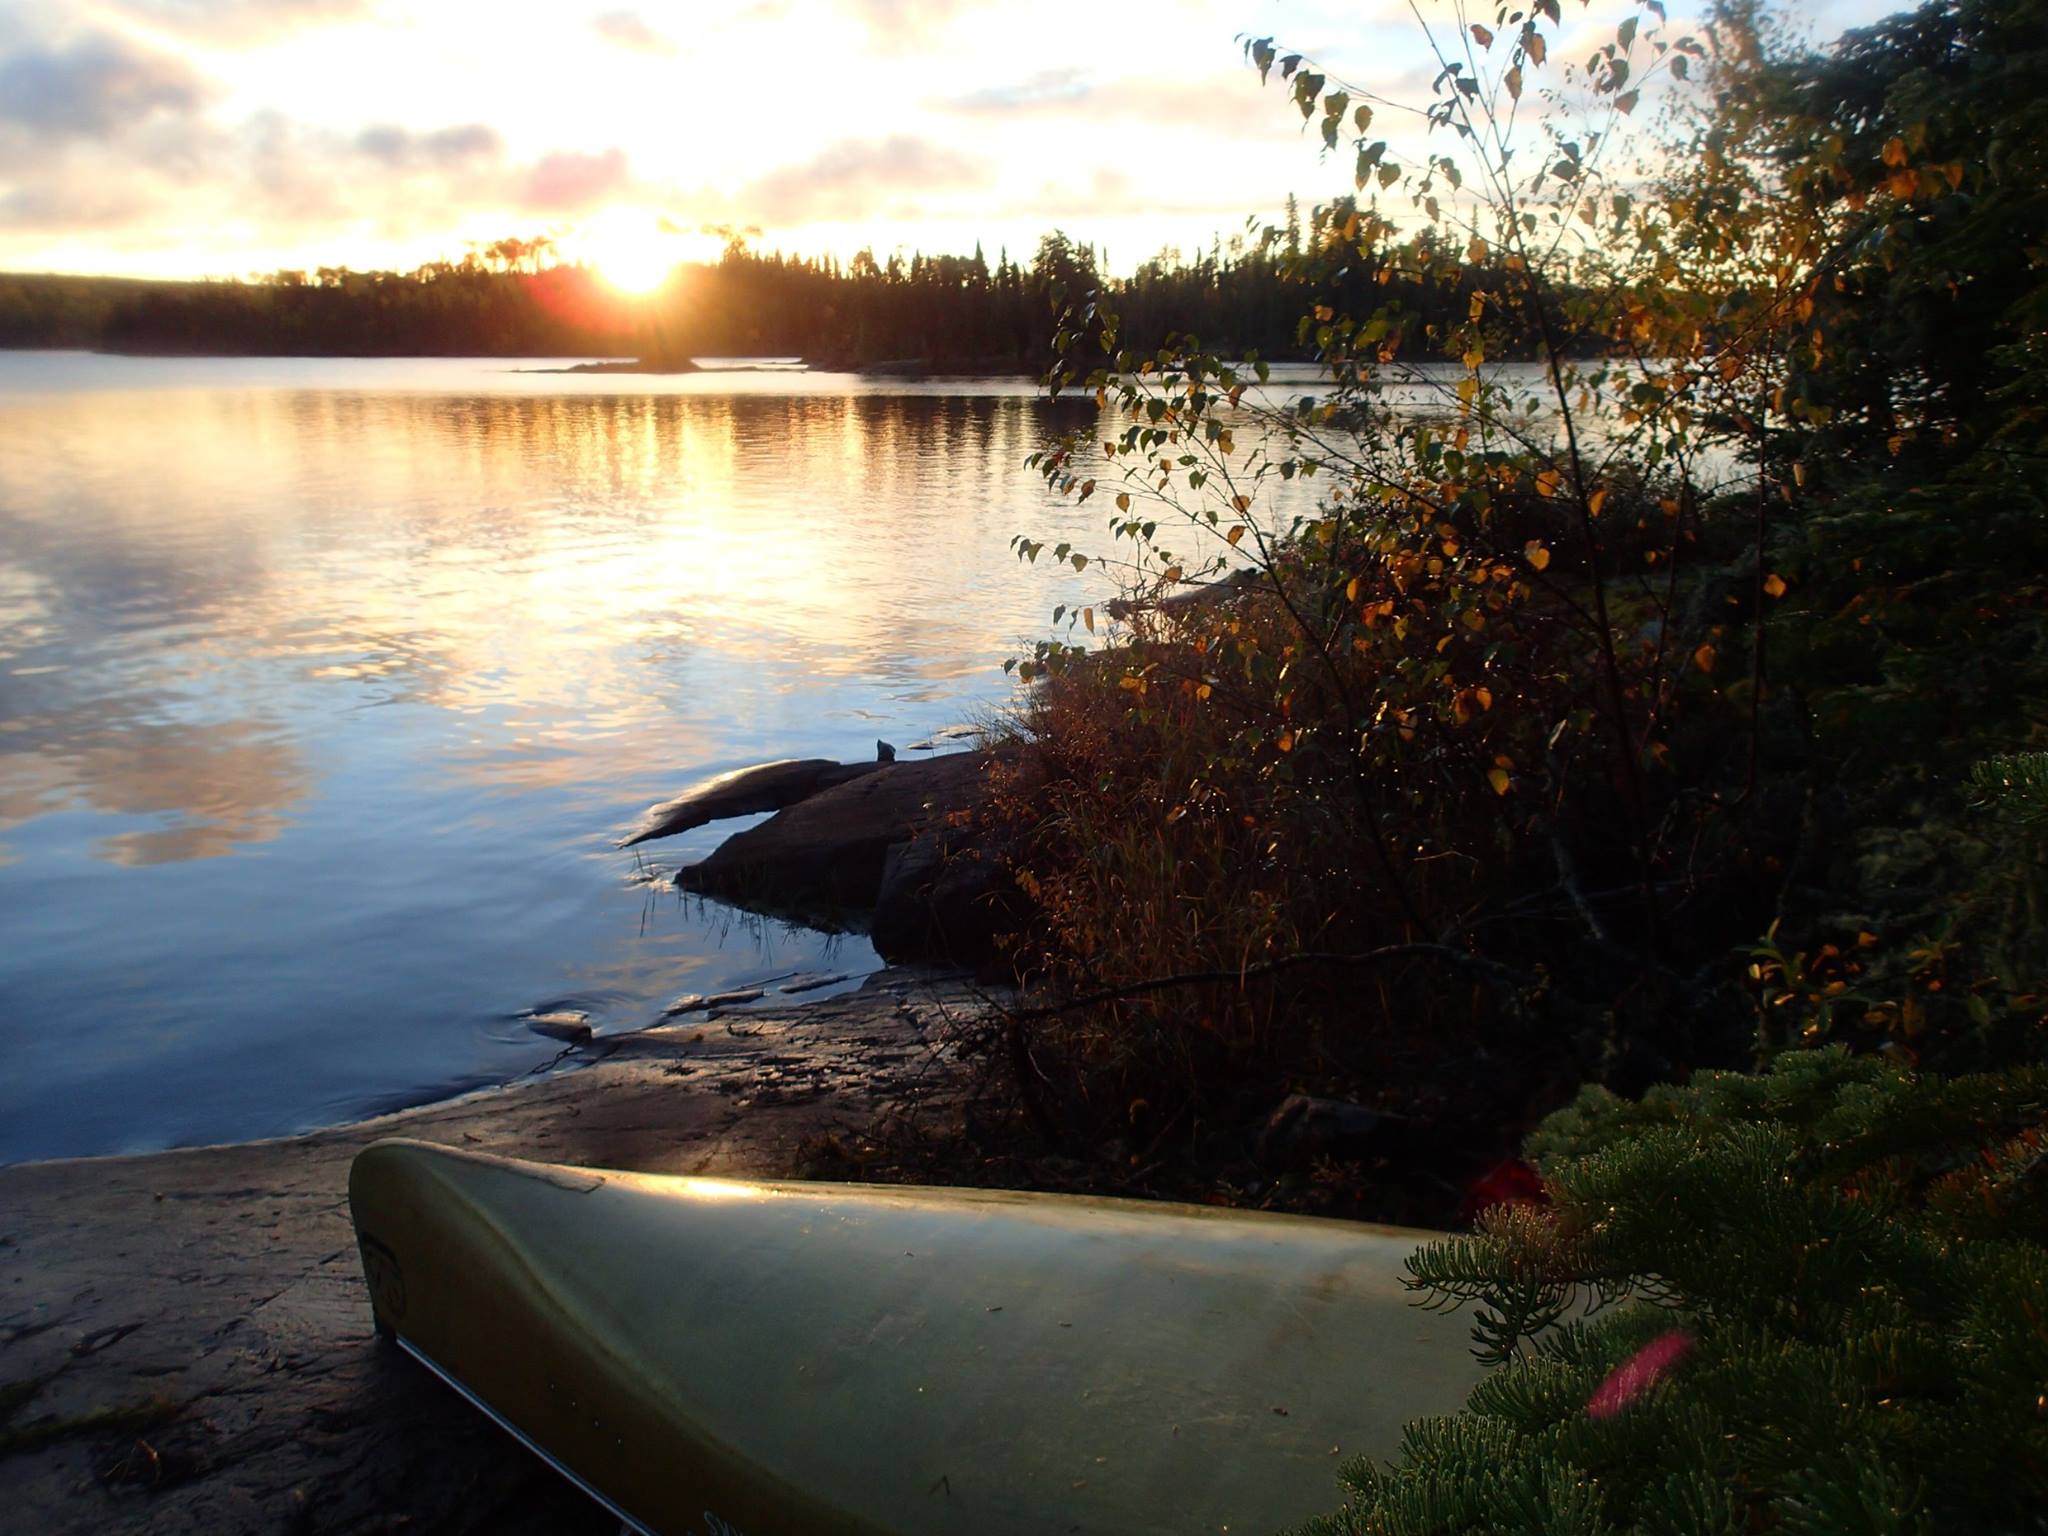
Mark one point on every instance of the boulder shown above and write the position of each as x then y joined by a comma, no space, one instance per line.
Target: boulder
697,1002
563,1024
945,895
820,860
1304,1127
1194,598
745,792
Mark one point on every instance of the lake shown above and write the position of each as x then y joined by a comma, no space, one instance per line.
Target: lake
326,686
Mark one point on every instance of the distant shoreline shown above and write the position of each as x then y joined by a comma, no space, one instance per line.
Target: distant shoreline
888,368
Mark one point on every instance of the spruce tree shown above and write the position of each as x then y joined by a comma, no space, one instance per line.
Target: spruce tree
1811,1300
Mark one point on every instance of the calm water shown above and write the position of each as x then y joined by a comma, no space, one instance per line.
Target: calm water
325,686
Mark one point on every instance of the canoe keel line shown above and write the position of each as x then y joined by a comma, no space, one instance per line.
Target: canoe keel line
854,1360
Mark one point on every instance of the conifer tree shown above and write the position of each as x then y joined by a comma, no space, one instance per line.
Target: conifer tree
1813,1300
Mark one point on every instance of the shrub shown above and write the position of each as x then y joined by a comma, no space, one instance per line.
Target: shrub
1811,1300
1601,724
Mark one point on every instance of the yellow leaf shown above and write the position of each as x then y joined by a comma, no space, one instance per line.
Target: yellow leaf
1548,482
1286,741
1203,691
1481,36
1235,534
1123,501
1170,575
1088,618
1469,702
1514,79
1703,658
1242,503
1536,46
1351,590
1498,778
1132,685
1774,585
1536,555
1474,619
1895,151
1596,501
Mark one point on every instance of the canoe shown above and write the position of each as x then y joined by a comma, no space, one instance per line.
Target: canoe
715,1358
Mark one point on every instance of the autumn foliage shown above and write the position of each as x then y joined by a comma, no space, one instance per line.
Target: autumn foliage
1471,732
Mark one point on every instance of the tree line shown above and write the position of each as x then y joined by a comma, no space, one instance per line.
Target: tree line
512,298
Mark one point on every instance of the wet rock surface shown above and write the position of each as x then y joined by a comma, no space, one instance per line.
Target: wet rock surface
185,1340
822,860
744,792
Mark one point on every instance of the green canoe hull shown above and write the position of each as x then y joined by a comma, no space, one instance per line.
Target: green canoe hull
713,1358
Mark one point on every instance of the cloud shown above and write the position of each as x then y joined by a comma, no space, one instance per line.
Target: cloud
94,88
60,208
569,182
860,178
454,146
241,22
905,21
1108,193
1223,105
1050,90
627,30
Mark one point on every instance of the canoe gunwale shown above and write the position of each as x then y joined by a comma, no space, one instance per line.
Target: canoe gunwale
477,1401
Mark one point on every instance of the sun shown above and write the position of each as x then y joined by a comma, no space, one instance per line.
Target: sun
636,265
633,251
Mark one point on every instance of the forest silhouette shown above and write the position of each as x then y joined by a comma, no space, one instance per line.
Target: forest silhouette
511,299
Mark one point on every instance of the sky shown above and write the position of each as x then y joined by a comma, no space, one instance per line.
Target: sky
221,138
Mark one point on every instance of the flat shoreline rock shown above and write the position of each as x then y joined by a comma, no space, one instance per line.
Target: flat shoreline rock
185,1340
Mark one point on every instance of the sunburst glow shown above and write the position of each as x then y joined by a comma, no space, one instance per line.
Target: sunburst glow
635,251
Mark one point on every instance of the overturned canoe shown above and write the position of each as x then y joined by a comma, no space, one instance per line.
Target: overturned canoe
732,1359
